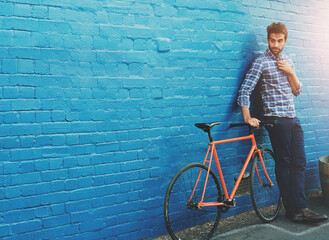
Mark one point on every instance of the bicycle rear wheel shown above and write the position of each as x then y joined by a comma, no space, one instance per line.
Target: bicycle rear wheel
183,218
265,198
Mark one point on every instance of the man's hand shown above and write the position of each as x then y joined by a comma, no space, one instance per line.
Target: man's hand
254,122
285,67
292,78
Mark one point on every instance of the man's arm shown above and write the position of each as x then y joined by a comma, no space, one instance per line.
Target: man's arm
248,85
292,77
254,122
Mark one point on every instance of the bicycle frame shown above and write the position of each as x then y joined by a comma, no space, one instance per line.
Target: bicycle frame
213,154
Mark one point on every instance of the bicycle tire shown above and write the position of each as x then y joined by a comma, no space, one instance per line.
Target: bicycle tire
266,199
183,219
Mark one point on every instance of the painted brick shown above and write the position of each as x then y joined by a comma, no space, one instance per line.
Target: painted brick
26,104
5,230
10,167
42,188
24,24
6,37
56,221
50,128
26,178
27,92
26,166
19,216
28,190
27,117
11,143
99,101
9,65
22,10
10,92
25,66
27,226
12,192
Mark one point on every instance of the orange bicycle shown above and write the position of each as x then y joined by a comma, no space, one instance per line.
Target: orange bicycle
194,201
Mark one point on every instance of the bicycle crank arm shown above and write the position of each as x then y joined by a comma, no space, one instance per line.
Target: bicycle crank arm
231,203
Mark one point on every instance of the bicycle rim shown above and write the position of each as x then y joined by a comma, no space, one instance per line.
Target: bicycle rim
266,199
184,220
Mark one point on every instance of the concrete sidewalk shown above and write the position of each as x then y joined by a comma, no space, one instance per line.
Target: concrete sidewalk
282,228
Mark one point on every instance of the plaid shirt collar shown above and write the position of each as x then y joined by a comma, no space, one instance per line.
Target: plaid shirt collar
269,54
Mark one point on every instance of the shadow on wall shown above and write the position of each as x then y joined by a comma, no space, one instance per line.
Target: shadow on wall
176,148
250,50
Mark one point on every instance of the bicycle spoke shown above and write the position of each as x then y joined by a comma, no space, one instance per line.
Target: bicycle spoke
182,212
184,185
265,198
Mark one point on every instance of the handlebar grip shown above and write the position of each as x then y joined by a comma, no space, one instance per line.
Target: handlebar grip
267,123
238,124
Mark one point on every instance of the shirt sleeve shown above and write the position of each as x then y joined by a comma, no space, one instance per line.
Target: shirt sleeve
249,83
300,88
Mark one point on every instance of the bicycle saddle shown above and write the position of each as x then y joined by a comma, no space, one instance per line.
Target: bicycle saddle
206,126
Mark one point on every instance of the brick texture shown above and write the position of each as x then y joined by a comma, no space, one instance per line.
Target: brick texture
99,99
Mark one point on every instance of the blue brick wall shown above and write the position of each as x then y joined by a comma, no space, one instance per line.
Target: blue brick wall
99,98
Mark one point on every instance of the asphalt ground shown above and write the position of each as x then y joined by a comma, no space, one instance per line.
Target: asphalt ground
248,226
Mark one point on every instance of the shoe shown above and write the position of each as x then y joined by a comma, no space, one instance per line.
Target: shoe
305,215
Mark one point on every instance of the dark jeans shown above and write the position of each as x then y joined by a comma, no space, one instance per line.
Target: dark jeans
287,139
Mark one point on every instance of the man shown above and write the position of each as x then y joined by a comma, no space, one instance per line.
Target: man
275,74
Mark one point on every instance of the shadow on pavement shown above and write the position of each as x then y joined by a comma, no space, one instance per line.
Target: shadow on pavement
248,226
282,228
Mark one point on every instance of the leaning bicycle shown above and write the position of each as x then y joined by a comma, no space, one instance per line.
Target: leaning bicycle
194,201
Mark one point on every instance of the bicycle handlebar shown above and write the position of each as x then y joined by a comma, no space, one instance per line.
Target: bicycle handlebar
268,123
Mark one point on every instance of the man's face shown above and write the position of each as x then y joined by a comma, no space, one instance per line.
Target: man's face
276,42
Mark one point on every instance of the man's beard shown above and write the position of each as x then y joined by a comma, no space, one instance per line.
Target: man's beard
276,51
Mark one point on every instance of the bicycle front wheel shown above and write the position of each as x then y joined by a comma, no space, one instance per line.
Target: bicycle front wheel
265,197
183,218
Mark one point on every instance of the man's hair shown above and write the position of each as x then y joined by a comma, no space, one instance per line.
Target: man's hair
277,28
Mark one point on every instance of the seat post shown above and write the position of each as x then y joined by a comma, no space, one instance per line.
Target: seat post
209,135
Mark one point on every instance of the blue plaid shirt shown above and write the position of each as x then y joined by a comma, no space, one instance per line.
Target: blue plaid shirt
274,86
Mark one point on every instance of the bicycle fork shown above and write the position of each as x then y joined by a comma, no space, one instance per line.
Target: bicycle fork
263,165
